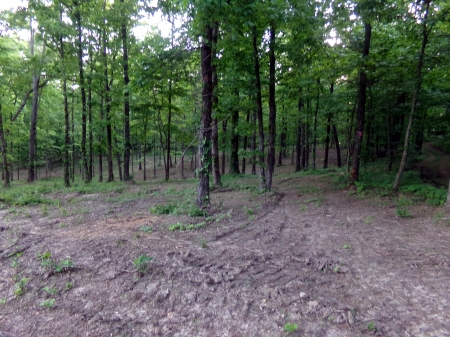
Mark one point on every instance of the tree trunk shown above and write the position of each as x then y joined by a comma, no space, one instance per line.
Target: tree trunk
244,157
361,109
328,131
253,143
91,135
282,140
224,142
126,103
299,163
34,115
100,140
338,147
84,160
205,132
418,84
259,111
272,112
215,127
234,157
108,111
6,177
315,124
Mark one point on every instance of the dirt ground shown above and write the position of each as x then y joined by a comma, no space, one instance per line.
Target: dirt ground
309,259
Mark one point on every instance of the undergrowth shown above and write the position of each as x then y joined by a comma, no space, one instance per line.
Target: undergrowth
374,180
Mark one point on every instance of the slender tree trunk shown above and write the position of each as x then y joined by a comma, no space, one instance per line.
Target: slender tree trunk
126,103
6,176
418,84
100,140
224,142
205,132
244,157
91,135
253,143
338,147
283,151
315,124
72,126
83,97
299,164
215,127
259,112
234,157
361,109
108,111
272,112
34,115
328,132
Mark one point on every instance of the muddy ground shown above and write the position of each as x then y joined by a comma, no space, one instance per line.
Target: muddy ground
310,259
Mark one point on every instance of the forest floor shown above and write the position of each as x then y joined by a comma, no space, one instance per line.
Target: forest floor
309,259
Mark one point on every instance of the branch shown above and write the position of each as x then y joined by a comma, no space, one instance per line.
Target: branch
24,101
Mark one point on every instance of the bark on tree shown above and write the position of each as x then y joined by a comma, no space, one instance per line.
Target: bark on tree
34,114
316,111
6,176
299,140
245,145
224,143
234,157
328,132
91,135
418,84
259,111
361,109
338,147
83,96
272,111
126,103
205,131
215,127
107,110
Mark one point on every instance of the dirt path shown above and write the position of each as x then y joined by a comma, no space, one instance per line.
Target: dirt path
331,263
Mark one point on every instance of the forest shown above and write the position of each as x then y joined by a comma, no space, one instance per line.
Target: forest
252,83
271,168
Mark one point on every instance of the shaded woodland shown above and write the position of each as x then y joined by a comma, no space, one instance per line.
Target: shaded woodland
232,87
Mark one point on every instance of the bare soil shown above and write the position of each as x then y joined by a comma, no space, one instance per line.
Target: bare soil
330,261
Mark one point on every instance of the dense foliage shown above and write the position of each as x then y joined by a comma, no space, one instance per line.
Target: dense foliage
243,79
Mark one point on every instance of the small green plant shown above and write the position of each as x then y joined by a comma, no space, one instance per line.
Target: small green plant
62,225
141,263
3,301
69,285
162,209
50,291
369,219
47,303
196,211
44,210
44,256
203,243
290,327
58,267
371,326
403,212
347,246
20,287
303,208
336,269
146,229
438,216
